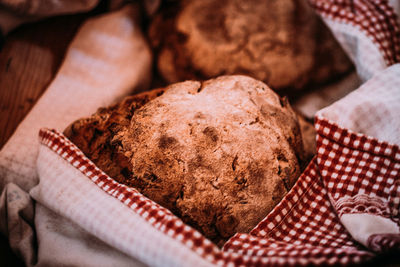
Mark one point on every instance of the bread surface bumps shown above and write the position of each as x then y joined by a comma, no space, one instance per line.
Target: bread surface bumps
282,43
220,154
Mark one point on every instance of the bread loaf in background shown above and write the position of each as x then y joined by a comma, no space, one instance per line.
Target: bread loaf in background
219,154
283,43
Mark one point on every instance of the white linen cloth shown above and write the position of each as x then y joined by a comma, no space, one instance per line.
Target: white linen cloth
108,59
16,12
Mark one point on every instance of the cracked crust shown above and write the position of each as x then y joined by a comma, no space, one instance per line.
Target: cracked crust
282,43
95,135
219,154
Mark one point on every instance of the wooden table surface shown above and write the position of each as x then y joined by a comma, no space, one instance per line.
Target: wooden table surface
29,59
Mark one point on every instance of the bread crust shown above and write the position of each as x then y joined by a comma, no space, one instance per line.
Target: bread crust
219,154
282,43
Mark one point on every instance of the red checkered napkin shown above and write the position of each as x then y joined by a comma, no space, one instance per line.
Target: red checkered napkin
352,184
302,230
368,31
359,136
361,173
343,209
349,194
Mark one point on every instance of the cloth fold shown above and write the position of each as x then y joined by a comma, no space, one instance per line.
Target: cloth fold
377,100
367,30
107,59
361,173
16,222
343,210
15,12
77,194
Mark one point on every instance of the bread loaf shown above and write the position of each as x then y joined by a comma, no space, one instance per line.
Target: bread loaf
219,154
282,43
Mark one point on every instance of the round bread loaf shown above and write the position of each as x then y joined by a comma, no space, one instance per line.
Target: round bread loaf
282,43
220,154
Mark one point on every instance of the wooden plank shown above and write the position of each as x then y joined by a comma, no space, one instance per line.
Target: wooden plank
29,60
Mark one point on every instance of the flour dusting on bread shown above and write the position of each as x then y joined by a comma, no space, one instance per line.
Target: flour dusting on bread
220,154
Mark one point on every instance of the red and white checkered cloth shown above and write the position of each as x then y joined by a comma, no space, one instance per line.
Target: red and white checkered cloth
344,208
368,30
352,183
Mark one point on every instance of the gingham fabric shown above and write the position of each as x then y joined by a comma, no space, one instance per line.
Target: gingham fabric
360,172
303,229
78,193
352,181
352,174
343,210
378,100
368,30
